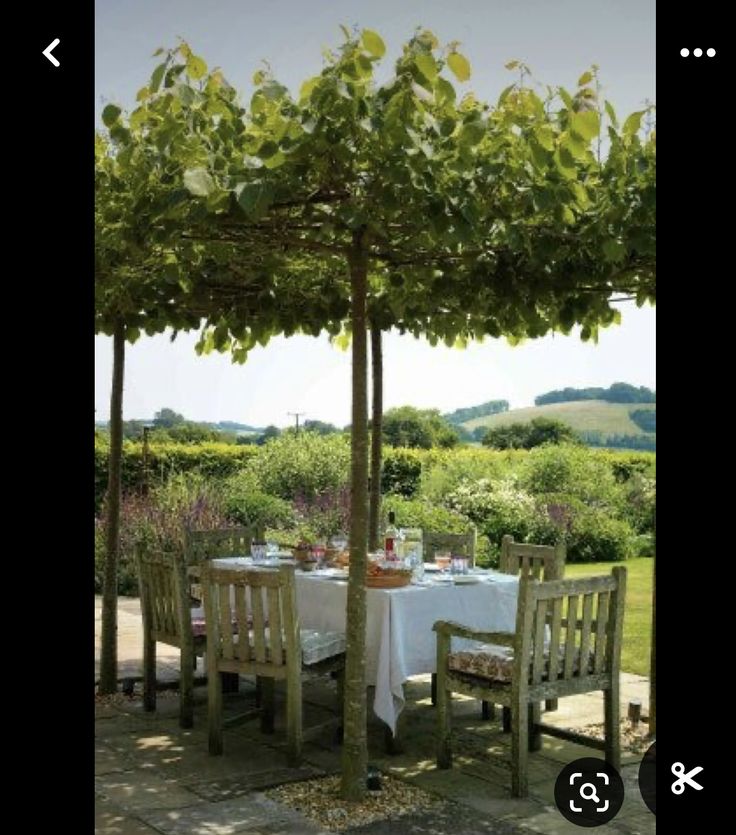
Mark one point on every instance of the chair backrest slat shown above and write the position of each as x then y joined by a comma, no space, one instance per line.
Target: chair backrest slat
538,665
572,621
586,632
274,627
462,544
543,562
554,640
226,621
259,623
241,615
590,610
601,632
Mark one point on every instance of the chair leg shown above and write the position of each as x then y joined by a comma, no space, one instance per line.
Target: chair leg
551,705
487,710
519,751
149,671
293,720
506,719
186,688
444,718
611,710
434,688
214,708
267,704
230,682
535,736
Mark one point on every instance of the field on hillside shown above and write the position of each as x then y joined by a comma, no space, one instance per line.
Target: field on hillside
581,415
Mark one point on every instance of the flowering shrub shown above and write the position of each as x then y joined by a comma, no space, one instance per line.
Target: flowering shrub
158,521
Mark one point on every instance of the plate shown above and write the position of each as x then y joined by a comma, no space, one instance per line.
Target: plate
334,573
466,579
431,566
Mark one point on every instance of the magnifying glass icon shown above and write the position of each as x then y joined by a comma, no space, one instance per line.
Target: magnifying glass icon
593,792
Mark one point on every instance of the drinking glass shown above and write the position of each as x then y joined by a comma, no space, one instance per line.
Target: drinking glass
443,560
258,552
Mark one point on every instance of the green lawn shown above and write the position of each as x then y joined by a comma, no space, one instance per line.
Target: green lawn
638,617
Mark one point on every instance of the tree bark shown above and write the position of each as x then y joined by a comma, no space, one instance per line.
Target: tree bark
374,504
109,649
355,745
653,661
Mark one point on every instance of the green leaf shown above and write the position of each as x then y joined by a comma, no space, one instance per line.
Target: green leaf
157,77
611,113
566,97
633,123
142,94
373,43
306,89
255,198
426,65
110,115
444,91
586,124
585,78
545,136
199,182
613,250
460,66
512,65
471,133
258,77
132,334
196,67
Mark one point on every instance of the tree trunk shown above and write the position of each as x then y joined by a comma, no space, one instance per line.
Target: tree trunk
109,650
374,504
355,745
653,662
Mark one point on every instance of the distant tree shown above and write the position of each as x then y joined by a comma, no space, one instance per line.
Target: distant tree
492,407
268,433
420,428
189,432
645,419
616,393
529,435
320,427
166,418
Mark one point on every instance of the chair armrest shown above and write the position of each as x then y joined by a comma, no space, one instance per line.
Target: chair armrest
451,629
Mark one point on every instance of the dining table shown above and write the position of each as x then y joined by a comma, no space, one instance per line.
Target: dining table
400,642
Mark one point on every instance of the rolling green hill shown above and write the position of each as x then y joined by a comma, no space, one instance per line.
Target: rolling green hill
581,415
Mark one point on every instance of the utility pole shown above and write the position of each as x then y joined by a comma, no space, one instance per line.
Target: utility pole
296,415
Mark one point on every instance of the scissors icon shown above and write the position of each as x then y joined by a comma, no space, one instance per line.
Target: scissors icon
678,769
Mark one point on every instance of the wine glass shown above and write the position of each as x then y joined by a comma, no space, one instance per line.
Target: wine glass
443,560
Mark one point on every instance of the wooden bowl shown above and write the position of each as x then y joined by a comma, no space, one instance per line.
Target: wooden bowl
388,580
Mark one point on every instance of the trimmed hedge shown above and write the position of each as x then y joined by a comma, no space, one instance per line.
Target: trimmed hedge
215,460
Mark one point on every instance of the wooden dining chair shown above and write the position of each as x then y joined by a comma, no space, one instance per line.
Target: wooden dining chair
167,617
567,641
461,544
542,562
253,629
217,543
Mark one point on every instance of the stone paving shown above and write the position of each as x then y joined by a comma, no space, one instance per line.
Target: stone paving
153,778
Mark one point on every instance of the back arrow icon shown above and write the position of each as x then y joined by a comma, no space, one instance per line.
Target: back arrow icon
49,48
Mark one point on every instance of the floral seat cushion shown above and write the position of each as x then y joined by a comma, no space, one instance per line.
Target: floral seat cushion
496,662
316,646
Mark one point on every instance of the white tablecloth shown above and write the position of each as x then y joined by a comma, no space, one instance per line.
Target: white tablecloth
399,639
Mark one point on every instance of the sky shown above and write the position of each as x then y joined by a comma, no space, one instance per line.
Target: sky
559,40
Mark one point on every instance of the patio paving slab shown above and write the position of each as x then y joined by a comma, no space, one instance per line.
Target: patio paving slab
154,777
